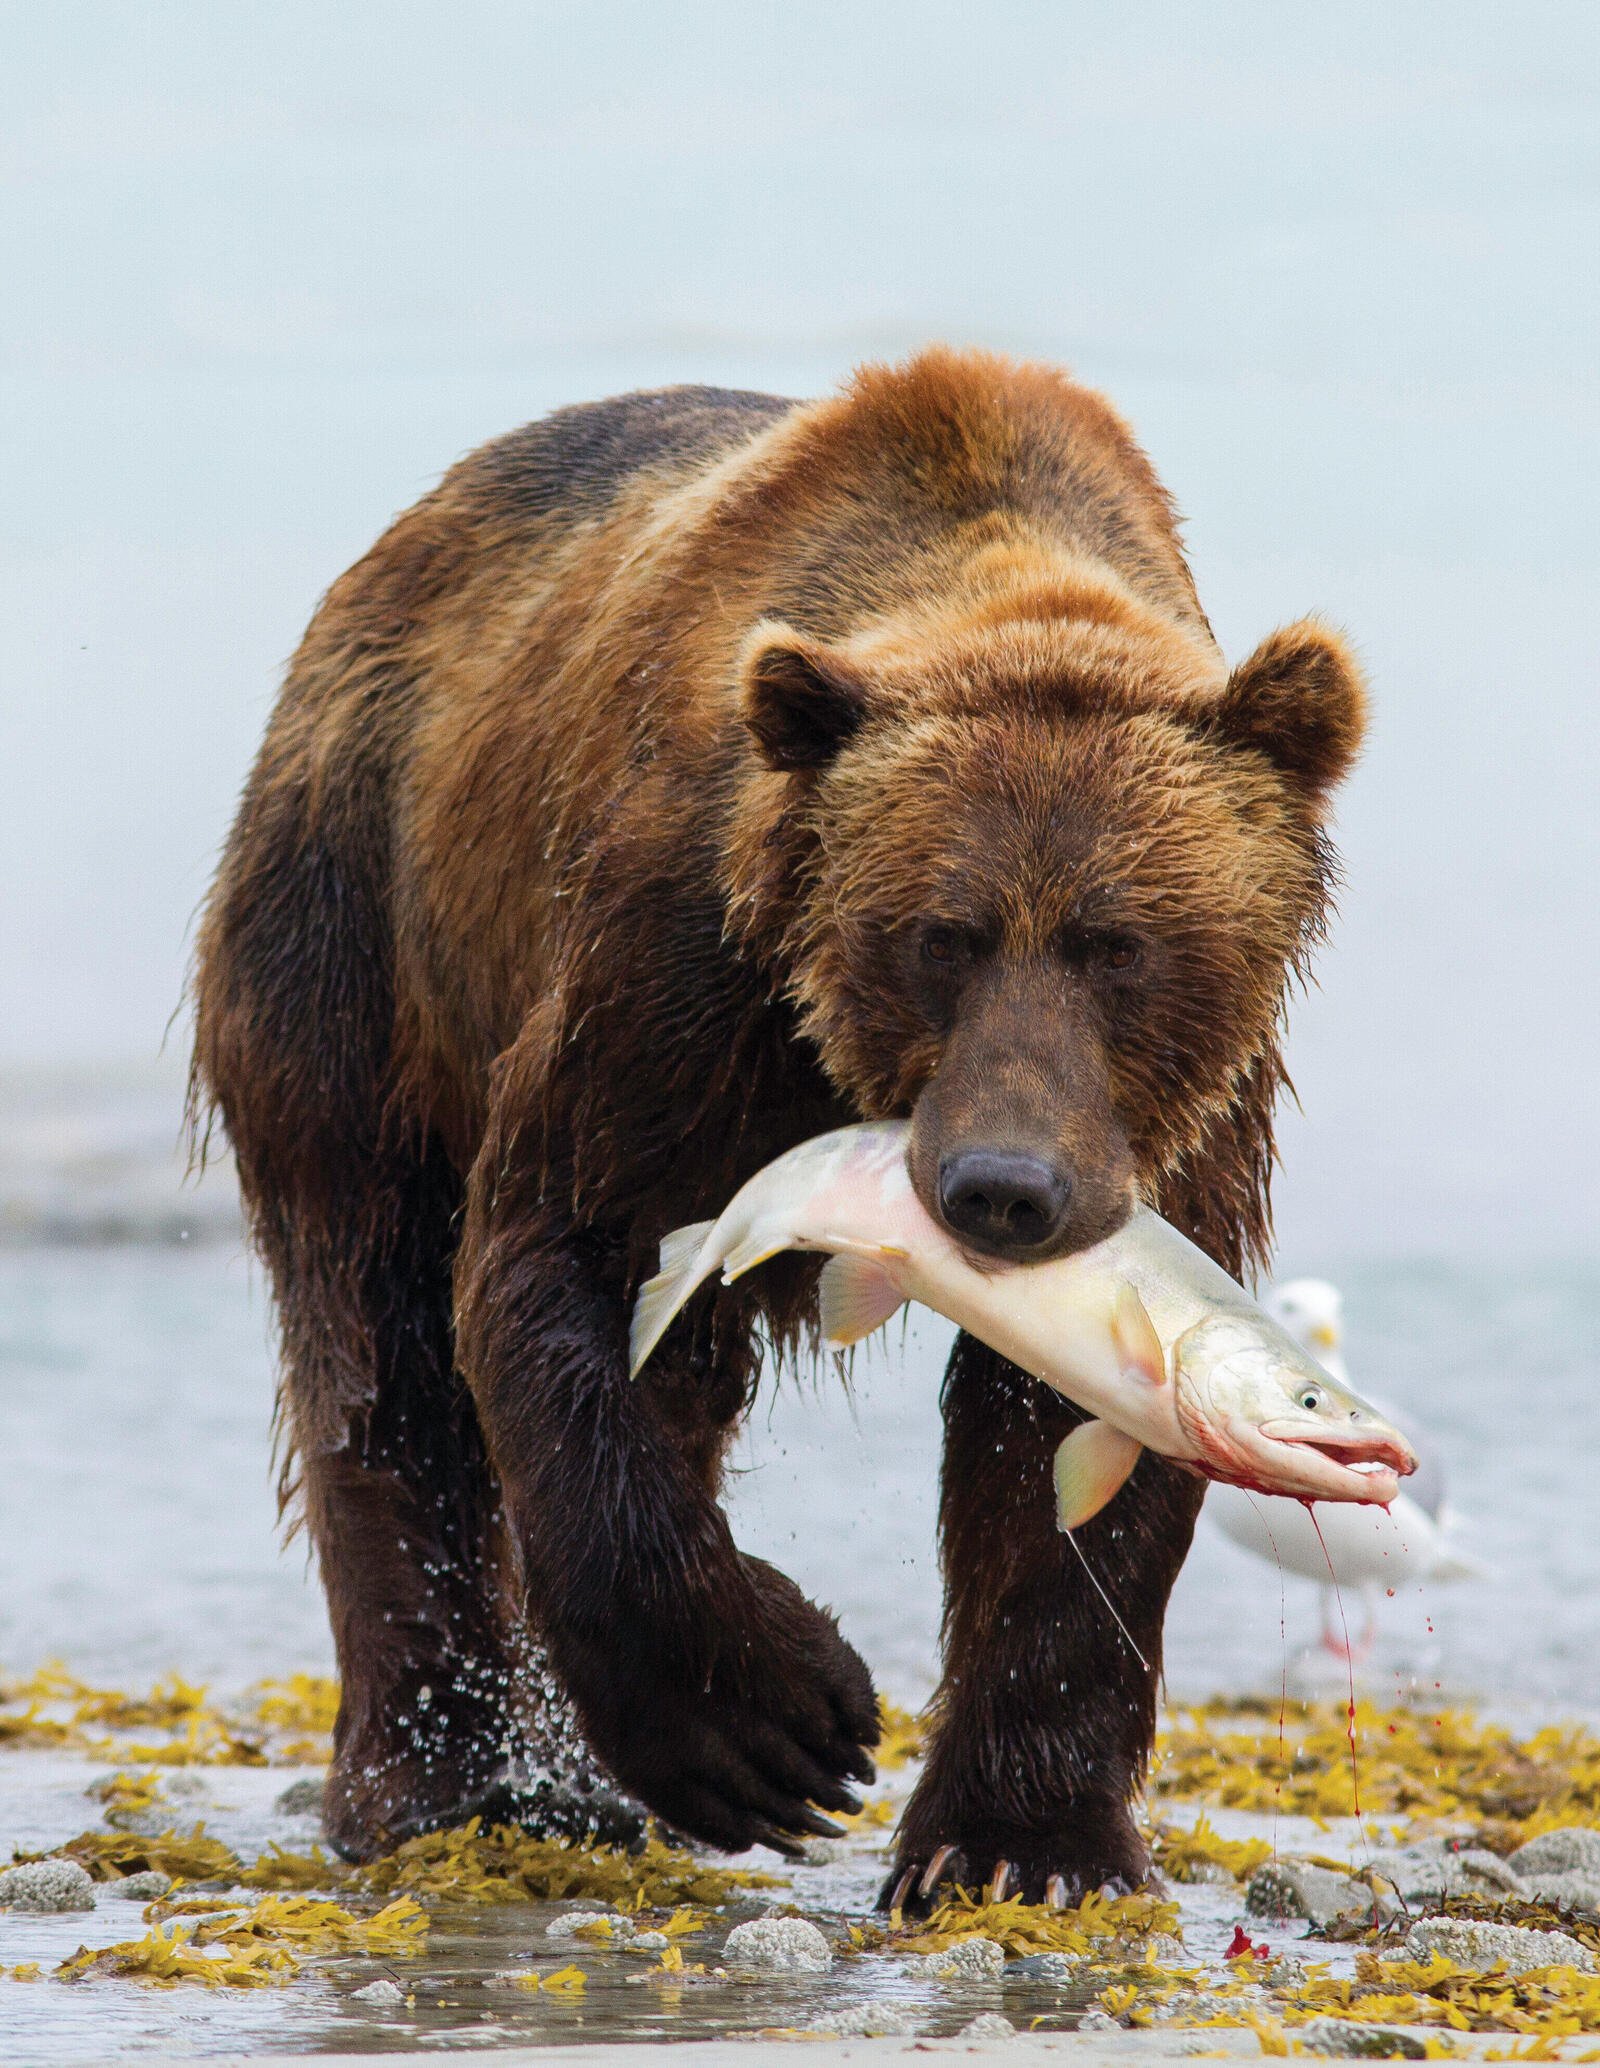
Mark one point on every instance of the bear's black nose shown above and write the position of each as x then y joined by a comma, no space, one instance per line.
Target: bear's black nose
1004,1200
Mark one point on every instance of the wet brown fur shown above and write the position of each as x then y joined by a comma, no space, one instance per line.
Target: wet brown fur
584,869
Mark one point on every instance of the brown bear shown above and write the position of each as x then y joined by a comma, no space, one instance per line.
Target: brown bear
688,774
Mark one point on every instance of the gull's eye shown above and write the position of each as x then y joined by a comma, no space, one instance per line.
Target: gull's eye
1309,1397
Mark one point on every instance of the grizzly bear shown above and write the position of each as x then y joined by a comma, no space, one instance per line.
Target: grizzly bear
688,774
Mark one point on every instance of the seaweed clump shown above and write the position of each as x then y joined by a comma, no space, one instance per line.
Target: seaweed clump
508,1865
279,1722
1180,1853
114,1855
228,1946
1411,1762
1100,1925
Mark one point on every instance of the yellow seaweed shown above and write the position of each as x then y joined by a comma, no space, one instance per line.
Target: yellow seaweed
1098,1924
509,1865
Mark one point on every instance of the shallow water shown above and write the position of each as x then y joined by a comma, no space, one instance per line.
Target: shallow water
140,1527
140,1534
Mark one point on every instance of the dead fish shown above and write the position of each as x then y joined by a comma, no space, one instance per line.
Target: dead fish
1143,1331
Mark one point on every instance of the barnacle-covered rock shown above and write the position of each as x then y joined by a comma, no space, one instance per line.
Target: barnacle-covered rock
1509,1946
790,1943
46,1885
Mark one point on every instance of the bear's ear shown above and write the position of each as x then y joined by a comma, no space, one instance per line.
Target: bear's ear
1300,701
801,701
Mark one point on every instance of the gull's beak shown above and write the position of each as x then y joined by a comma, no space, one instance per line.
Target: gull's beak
1325,1336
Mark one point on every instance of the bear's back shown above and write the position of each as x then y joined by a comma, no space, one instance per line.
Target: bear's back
574,462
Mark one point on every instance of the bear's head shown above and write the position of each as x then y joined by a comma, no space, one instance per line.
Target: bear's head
1040,884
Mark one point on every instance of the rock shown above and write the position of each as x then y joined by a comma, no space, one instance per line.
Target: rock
1510,1946
1339,2039
1574,1891
148,1887
988,2025
575,1920
46,1885
383,1996
1098,2021
301,1799
1288,1887
790,1943
972,1960
826,1852
1439,1867
1163,1950
1575,1849
1213,1872
1059,1969
868,2021
647,1942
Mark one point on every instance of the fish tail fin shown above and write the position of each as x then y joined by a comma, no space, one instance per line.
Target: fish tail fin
661,1297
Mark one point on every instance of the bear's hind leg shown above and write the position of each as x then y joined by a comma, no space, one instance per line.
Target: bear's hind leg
1046,1714
397,1497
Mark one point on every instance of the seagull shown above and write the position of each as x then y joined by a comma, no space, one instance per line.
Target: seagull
1367,1547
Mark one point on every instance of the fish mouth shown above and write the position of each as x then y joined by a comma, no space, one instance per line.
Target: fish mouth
1362,1467
1361,1449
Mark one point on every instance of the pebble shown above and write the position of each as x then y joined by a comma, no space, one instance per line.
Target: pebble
988,2025
791,1943
50,1885
381,1995
301,1799
868,2021
648,1942
1098,2021
1572,1891
1288,1887
1510,1946
563,1927
972,1960
1342,2040
1574,1849
148,1887
1438,1868
1058,1969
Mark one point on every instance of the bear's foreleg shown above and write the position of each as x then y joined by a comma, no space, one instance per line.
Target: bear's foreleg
707,1683
1046,1714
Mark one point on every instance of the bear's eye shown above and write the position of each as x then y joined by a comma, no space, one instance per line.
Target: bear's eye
943,945
1122,954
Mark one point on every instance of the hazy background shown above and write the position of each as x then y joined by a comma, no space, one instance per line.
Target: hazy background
266,270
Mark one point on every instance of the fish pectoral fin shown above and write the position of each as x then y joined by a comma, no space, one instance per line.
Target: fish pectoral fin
1091,1466
858,1295
661,1297
1134,1334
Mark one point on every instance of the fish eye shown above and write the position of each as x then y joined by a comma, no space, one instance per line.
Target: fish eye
1309,1397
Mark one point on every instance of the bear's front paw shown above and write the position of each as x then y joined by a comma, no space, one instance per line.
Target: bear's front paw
748,1751
1093,1848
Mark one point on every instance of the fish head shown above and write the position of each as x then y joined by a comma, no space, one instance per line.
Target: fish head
1261,1414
